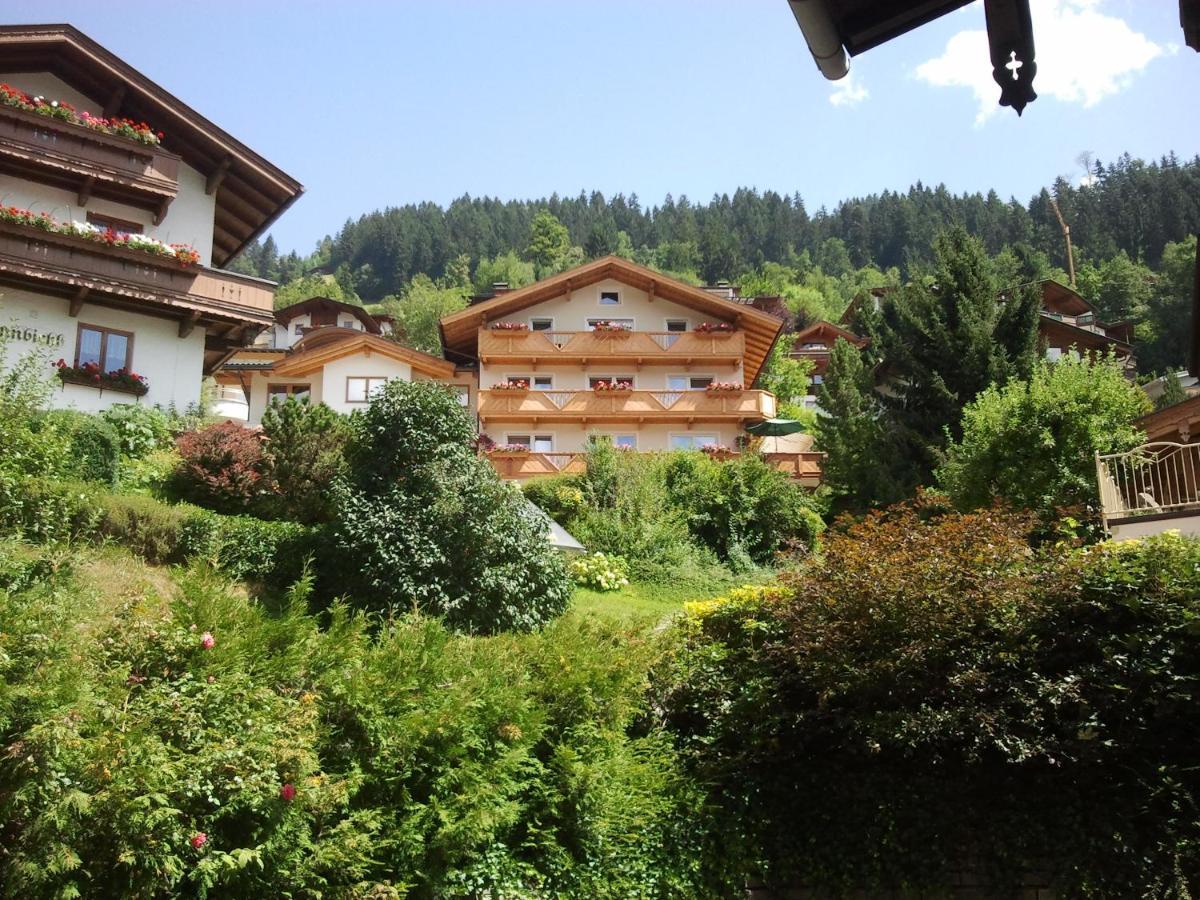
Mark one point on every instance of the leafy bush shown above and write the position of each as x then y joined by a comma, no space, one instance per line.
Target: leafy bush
560,497
422,523
140,429
153,473
599,572
222,467
305,454
93,446
1033,444
933,692
183,742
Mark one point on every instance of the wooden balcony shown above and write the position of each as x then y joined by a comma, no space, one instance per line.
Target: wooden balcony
92,164
625,406
520,465
87,271
636,348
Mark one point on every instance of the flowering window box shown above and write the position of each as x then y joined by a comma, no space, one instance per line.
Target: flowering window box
613,388
718,451
509,326
611,329
715,329
725,387
509,451
89,375
65,112
139,246
512,387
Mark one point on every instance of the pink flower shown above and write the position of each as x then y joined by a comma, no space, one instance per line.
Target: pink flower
212,679
287,793
199,839
207,641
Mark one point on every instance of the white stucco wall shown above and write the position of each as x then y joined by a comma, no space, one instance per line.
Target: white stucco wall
329,386
572,437
172,365
189,219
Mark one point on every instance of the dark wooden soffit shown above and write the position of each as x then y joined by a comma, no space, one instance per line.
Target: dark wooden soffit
864,24
251,192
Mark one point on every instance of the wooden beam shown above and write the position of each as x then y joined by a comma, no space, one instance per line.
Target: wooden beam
217,175
85,190
114,101
188,324
77,301
161,212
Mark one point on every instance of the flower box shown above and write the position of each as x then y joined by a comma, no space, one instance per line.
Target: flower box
139,245
724,387
509,326
89,375
715,329
611,329
621,388
512,387
65,112
509,451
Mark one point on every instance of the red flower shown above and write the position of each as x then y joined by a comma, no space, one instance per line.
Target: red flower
199,839
287,793
207,641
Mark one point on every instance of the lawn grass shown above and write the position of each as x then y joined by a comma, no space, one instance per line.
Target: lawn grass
651,602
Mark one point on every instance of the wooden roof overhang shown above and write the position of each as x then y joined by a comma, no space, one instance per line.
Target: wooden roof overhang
1062,299
460,330
1081,337
327,304
325,345
251,193
1180,420
829,331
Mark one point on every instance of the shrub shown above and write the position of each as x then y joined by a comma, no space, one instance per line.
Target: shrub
221,468
93,446
328,762
560,497
599,572
152,474
422,523
305,454
1033,444
932,692
140,429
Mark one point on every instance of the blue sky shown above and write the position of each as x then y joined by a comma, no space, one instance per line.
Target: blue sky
374,104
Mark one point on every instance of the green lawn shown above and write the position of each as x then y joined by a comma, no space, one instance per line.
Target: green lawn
640,600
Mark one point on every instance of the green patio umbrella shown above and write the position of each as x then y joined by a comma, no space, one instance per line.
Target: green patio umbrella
775,427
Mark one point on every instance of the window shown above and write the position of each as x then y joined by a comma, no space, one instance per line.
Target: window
677,325
109,349
688,382
462,393
120,226
538,443
693,441
610,298
817,379
593,380
361,390
299,329
283,391
542,382
348,323
626,323
541,324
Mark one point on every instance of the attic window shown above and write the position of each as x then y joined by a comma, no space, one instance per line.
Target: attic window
610,298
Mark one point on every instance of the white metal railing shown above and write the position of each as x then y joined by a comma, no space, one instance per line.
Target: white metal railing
1160,477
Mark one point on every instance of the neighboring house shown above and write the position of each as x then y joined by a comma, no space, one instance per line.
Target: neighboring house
611,350
1155,487
815,343
335,365
295,321
111,237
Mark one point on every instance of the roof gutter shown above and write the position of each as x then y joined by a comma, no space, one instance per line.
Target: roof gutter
821,33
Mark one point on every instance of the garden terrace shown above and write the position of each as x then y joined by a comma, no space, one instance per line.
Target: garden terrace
636,348
93,164
625,406
229,306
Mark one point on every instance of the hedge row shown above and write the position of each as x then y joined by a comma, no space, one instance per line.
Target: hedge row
241,546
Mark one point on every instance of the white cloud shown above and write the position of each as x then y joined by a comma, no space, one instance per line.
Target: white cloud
848,92
1083,56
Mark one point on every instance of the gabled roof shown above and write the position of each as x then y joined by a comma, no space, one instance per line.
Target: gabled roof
251,192
1059,298
829,330
325,345
1166,423
460,330
370,322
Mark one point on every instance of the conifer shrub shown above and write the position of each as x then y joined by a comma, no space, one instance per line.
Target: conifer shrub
181,741
304,453
934,693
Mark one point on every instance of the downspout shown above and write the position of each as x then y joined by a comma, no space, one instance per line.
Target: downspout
822,37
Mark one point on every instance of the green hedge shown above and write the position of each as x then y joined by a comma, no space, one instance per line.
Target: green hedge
241,546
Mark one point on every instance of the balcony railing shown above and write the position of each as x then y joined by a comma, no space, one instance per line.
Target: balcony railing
804,467
77,264
652,406
67,155
497,346
1154,479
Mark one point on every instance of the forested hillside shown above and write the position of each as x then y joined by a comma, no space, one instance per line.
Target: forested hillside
1127,220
